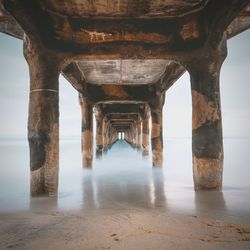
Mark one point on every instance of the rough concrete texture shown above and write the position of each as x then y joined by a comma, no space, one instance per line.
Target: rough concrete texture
123,52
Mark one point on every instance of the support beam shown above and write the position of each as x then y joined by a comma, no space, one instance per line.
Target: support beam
162,37
128,135
145,136
156,131
156,106
156,137
172,73
133,134
105,133
87,131
144,111
99,139
43,121
73,74
139,133
99,131
207,144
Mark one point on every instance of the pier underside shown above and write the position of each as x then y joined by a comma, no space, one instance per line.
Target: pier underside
122,56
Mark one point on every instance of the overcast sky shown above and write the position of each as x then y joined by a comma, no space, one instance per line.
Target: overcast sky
235,94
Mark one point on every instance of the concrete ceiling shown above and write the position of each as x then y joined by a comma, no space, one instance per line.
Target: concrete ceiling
123,71
111,35
122,8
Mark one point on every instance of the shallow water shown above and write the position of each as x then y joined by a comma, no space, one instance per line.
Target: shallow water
122,179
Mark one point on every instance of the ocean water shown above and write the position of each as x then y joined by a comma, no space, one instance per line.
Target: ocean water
123,179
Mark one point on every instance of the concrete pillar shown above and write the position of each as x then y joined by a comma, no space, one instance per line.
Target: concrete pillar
43,120
109,135
145,136
99,137
113,136
87,131
134,134
145,115
127,136
156,136
111,131
105,134
207,144
99,131
139,134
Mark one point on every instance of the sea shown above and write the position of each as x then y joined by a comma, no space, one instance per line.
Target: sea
123,179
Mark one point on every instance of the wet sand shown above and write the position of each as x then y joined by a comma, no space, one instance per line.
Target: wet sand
122,203
119,229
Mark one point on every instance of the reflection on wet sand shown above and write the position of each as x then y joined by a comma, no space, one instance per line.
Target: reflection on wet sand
123,179
123,203
43,204
141,190
210,202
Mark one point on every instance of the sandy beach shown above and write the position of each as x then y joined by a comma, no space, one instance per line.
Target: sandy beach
119,229
117,205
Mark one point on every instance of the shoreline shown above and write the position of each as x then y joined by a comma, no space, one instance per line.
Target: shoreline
119,229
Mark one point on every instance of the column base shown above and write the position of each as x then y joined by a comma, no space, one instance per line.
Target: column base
87,163
105,150
157,158
42,184
98,153
207,174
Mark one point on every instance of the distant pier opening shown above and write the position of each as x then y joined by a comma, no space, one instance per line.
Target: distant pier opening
121,135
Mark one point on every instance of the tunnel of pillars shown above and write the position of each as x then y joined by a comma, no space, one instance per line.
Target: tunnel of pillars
132,125
186,37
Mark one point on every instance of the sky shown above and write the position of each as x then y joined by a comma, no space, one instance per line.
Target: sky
234,84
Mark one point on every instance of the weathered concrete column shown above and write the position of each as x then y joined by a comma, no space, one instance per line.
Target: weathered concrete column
43,120
156,106
134,134
99,131
156,137
99,137
87,131
113,136
207,144
145,136
108,134
127,136
105,133
145,115
131,135
139,134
